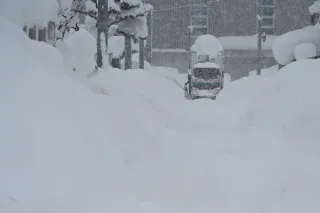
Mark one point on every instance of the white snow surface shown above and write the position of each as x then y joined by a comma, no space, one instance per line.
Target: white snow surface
305,51
141,147
315,7
207,45
283,47
245,42
266,72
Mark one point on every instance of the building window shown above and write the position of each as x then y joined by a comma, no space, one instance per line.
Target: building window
267,9
198,18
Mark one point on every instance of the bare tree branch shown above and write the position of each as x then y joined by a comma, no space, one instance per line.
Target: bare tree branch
91,14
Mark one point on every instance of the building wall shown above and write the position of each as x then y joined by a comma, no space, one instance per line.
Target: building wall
169,26
226,18
292,15
232,18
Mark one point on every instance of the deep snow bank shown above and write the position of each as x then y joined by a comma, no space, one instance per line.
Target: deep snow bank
143,148
58,150
281,102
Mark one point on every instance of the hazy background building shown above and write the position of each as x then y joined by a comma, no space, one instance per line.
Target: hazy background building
220,18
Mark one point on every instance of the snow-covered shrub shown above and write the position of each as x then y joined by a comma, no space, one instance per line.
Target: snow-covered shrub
315,7
283,47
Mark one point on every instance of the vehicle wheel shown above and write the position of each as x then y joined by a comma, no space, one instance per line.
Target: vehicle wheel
213,98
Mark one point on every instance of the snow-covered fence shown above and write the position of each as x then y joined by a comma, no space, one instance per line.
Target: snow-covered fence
45,33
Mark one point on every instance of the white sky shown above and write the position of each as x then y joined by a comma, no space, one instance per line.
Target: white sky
30,11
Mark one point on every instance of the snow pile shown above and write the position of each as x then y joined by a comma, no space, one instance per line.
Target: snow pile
265,72
144,148
227,79
80,43
79,51
283,47
207,45
315,8
305,51
245,42
48,125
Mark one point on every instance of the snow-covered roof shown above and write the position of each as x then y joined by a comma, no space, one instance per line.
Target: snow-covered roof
207,45
283,47
245,42
315,7
206,65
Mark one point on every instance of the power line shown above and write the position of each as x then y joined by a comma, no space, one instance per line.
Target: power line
189,5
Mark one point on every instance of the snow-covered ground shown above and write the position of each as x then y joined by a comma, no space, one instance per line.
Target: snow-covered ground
135,144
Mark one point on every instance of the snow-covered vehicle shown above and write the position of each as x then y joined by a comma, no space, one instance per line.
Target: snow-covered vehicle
206,74
205,80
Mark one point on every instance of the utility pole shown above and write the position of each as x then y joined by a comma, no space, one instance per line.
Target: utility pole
141,54
106,24
102,25
141,50
259,26
190,28
128,52
149,39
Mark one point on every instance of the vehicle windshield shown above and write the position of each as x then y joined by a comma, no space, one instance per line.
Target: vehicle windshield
206,73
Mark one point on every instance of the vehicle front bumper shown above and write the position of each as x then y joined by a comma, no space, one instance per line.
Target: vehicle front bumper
205,93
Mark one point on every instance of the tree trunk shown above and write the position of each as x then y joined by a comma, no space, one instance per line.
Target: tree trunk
102,28
106,36
128,53
141,54
99,51
149,39
105,26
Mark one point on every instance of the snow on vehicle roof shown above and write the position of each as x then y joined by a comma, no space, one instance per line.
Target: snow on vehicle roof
207,45
283,47
206,65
